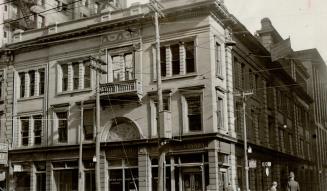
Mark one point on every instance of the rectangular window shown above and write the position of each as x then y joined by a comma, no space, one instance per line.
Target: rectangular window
190,52
32,82
251,79
64,70
40,181
41,85
22,84
5,34
175,59
88,123
37,129
87,75
24,130
116,68
6,8
129,66
220,110
163,60
75,75
40,21
1,84
242,83
194,113
218,59
62,126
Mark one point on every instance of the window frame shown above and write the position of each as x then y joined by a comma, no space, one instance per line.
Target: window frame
186,114
93,123
22,131
59,140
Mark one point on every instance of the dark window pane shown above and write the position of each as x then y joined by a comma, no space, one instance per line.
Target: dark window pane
32,82
87,75
37,129
41,85
131,179
163,60
24,130
175,58
189,49
40,181
89,180
116,179
64,69
22,84
62,126
88,122
194,113
22,180
75,75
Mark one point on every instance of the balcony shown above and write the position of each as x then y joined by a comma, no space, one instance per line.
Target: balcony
121,91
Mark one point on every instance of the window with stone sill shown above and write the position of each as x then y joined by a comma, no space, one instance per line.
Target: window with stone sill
220,113
74,76
25,130
31,83
62,126
88,123
218,61
176,59
194,112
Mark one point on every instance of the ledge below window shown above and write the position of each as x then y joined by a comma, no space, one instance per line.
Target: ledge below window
74,92
163,78
30,98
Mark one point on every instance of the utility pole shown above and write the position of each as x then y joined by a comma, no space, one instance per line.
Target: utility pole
156,7
246,162
97,136
80,161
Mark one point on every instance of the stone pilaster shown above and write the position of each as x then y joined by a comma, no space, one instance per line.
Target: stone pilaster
70,74
169,69
37,83
144,164
81,75
27,85
103,171
213,166
182,59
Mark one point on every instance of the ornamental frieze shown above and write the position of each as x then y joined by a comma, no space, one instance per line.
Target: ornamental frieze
119,36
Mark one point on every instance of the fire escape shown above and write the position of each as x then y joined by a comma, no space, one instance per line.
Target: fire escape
24,18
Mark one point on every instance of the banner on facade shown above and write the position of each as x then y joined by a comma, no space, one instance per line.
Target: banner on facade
281,49
252,163
3,154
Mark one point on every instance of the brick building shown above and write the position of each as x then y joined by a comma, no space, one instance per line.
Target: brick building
316,66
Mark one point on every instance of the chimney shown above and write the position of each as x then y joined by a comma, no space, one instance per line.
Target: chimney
265,34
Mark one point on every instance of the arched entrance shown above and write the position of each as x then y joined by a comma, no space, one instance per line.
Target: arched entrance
121,129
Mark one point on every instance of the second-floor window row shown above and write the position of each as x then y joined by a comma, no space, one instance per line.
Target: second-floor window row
31,83
74,76
177,59
31,130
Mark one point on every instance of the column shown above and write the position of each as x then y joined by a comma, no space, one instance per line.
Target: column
49,177
30,131
37,83
103,171
27,85
182,59
169,69
213,166
144,168
81,75
172,173
70,77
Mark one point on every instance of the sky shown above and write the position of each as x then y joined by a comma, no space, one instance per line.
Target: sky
304,21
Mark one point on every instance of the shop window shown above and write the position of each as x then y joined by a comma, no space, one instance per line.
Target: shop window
24,130
40,175
22,181
37,129
62,126
88,123
66,179
89,175
125,177
194,113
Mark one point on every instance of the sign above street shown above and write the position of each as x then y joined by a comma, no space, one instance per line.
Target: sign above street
266,164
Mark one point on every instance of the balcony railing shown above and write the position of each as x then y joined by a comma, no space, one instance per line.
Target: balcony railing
131,89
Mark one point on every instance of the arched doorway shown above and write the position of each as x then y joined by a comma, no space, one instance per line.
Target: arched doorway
121,129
